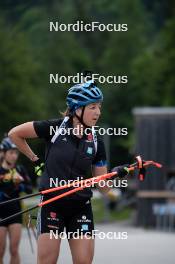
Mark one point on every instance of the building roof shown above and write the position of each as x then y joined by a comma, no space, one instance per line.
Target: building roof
153,111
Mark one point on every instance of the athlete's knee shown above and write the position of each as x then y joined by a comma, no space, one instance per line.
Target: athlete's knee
2,251
44,258
14,250
47,256
48,249
83,261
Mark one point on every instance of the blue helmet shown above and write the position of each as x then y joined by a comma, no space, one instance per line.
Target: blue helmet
7,144
83,94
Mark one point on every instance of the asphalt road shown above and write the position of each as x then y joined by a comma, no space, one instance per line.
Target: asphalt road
137,247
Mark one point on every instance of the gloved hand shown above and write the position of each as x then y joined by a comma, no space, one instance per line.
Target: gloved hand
122,170
39,167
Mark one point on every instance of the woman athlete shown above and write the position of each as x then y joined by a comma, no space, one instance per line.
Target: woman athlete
68,157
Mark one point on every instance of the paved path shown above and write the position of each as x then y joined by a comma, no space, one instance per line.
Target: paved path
141,247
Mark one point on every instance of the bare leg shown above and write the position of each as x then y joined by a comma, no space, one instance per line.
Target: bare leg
82,250
3,235
14,237
48,249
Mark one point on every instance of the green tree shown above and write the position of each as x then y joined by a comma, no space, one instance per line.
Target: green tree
155,86
19,93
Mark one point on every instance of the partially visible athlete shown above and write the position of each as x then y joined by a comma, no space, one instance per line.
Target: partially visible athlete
13,180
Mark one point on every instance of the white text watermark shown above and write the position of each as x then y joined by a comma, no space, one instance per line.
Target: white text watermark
80,26
81,182
79,234
80,131
79,78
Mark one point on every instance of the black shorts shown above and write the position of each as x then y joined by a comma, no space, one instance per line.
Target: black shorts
73,215
10,209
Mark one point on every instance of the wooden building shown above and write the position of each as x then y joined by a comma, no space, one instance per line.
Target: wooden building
154,140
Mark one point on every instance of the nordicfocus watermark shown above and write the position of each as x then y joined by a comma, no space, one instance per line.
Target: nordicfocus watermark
79,78
79,234
77,131
81,182
80,26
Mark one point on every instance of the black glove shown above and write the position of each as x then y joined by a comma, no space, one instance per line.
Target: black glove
122,170
39,167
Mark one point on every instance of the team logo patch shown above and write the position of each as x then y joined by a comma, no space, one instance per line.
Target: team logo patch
84,219
85,227
89,150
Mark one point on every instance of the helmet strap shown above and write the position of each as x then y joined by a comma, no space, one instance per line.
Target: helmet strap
81,117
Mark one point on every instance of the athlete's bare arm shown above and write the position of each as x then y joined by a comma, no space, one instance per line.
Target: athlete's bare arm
19,134
100,171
